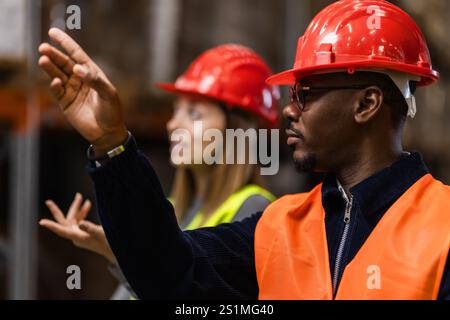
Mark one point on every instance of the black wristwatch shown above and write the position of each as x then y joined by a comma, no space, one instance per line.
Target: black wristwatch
110,154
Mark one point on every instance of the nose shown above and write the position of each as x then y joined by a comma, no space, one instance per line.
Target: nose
172,125
291,112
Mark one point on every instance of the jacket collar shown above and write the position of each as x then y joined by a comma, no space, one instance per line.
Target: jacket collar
380,189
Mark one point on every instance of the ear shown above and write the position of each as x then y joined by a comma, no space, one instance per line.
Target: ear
368,104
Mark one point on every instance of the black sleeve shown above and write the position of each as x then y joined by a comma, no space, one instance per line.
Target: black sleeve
158,259
444,291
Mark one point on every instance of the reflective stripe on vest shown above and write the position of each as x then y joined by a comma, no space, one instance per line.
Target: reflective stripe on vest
403,258
228,209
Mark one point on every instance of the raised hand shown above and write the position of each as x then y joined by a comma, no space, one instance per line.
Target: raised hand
88,99
73,226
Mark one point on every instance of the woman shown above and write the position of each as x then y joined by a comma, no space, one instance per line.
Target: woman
224,88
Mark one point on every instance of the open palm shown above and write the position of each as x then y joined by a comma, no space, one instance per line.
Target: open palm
88,99
73,226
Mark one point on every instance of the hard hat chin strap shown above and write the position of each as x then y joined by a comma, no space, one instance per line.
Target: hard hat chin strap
412,109
402,81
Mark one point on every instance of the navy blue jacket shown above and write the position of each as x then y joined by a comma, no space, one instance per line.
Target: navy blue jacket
162,262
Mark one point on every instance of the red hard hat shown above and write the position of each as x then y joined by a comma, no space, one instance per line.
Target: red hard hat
232,74
361,34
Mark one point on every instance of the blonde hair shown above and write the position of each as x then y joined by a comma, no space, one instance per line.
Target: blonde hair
226,179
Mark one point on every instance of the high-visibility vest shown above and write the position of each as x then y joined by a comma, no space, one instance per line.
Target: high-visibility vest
403,258
230,207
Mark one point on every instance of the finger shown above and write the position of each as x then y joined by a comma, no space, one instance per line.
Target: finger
57,88
74,207
60,59
56,212
69,45
62,231
84,68
68,93
95,79
95,230
83,212
51,69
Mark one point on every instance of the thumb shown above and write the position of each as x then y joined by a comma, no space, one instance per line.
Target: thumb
94,230
95,80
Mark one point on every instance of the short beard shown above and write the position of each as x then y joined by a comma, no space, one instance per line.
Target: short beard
307,163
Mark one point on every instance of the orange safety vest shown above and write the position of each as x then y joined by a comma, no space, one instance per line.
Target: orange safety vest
403,258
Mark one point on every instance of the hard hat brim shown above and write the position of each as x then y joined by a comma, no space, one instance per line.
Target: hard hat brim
270,122
172,88
290,77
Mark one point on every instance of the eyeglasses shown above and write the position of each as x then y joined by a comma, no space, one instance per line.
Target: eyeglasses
299,93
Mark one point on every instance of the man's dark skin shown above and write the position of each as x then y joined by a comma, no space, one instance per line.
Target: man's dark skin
349,132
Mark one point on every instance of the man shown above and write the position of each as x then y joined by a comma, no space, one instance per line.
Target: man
378,226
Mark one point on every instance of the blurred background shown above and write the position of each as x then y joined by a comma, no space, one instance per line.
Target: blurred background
138,43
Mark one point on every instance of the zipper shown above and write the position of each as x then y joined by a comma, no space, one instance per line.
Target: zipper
340,252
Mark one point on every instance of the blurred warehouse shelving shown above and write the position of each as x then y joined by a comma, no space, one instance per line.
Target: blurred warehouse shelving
138,43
